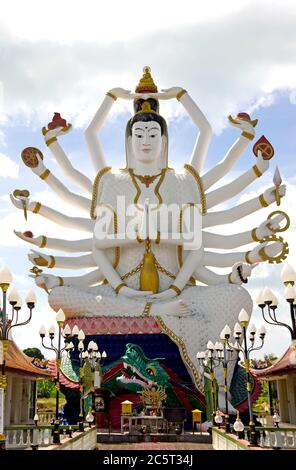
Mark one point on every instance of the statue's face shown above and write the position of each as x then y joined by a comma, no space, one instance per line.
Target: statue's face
146,141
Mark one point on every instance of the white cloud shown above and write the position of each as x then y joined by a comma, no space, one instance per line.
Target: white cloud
8,168
249,51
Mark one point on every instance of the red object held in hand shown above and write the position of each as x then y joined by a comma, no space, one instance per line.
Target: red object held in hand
57,121
28,234
265,147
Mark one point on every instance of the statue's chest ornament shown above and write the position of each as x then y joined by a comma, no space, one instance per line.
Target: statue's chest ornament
147,180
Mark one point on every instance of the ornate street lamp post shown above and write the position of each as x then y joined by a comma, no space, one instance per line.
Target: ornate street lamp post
60,318
80,336
227,357
268,302
7,322
240,330
209,360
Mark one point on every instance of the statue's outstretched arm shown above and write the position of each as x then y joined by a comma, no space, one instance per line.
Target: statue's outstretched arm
91,133
205,130
60,189
64,262
223,260
242,210
86,280
76,176
266,228
235,187
224,166
77,223
208,277
70,246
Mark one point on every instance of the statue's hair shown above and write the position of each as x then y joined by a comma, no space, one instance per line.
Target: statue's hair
146,117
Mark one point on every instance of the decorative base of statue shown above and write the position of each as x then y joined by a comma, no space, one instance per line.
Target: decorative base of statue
210,308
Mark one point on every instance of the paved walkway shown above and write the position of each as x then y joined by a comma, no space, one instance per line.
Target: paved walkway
155,446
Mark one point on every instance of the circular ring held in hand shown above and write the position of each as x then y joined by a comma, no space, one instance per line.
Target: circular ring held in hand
288,222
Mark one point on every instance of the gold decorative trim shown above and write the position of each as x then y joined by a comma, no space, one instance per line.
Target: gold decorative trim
50,141
45,174
229,278
117,288
95,190
37,208
180,94
43,242
157,241
146,311
157,187
257,172
175,288
248,135
61,281
198,179
52,262
254,236
247,259
262,201
183,351
111,95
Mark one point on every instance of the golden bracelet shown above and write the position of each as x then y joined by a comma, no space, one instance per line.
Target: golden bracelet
248,135
45,174
117,288
61,281
254,235
229,278
52,262
180,94
37,208
43,242
262,201
50,141
257,171
247,254
176,289
111,95
139,240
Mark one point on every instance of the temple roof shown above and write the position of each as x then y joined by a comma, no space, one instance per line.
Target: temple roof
283,366
17,361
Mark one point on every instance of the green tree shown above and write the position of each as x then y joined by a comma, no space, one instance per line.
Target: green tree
33,352
45,388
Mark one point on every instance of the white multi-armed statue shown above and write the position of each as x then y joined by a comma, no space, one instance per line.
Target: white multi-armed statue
146,269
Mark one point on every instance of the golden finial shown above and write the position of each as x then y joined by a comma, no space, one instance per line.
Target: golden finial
146,83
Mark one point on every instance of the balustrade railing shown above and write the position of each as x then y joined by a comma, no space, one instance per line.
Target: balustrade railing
275,438
26,436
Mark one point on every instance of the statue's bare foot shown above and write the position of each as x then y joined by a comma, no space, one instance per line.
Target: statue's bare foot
177,308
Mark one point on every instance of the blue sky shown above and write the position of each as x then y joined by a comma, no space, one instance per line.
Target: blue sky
227,62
